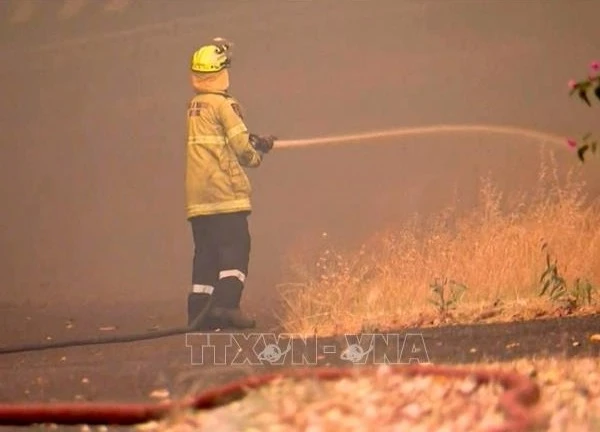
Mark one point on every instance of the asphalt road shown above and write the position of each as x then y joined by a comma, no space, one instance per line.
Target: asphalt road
130,372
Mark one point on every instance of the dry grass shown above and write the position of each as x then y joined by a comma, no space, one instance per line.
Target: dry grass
494,250
389,401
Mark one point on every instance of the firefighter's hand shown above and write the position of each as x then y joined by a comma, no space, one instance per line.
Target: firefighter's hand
262,144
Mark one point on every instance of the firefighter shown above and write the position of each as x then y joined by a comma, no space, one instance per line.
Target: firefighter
218,191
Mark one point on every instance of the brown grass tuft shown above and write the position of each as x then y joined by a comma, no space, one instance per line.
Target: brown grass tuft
494,251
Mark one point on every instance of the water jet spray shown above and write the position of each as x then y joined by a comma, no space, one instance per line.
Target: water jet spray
420,130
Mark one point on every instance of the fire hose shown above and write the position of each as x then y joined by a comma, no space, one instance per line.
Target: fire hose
520,396
282,144
520,392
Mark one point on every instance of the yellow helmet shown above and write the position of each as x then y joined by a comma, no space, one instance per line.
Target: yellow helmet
213,57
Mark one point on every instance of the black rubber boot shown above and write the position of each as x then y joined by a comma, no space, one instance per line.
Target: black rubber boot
197,304
226,309
231,318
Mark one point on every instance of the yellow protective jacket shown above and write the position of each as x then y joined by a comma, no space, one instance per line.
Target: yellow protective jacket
218,148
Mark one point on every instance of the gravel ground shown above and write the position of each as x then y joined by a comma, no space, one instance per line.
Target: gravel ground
570,392
391,401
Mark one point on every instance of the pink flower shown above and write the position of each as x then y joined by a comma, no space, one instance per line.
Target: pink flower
572,84
595,66
571,143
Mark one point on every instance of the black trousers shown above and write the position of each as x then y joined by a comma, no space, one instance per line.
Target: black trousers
221,256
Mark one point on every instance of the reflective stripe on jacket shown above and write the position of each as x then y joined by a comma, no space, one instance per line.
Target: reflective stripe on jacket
218,148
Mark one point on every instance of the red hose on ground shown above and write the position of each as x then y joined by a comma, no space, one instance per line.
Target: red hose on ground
520,395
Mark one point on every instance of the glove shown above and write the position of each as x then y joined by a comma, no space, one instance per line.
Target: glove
262,144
